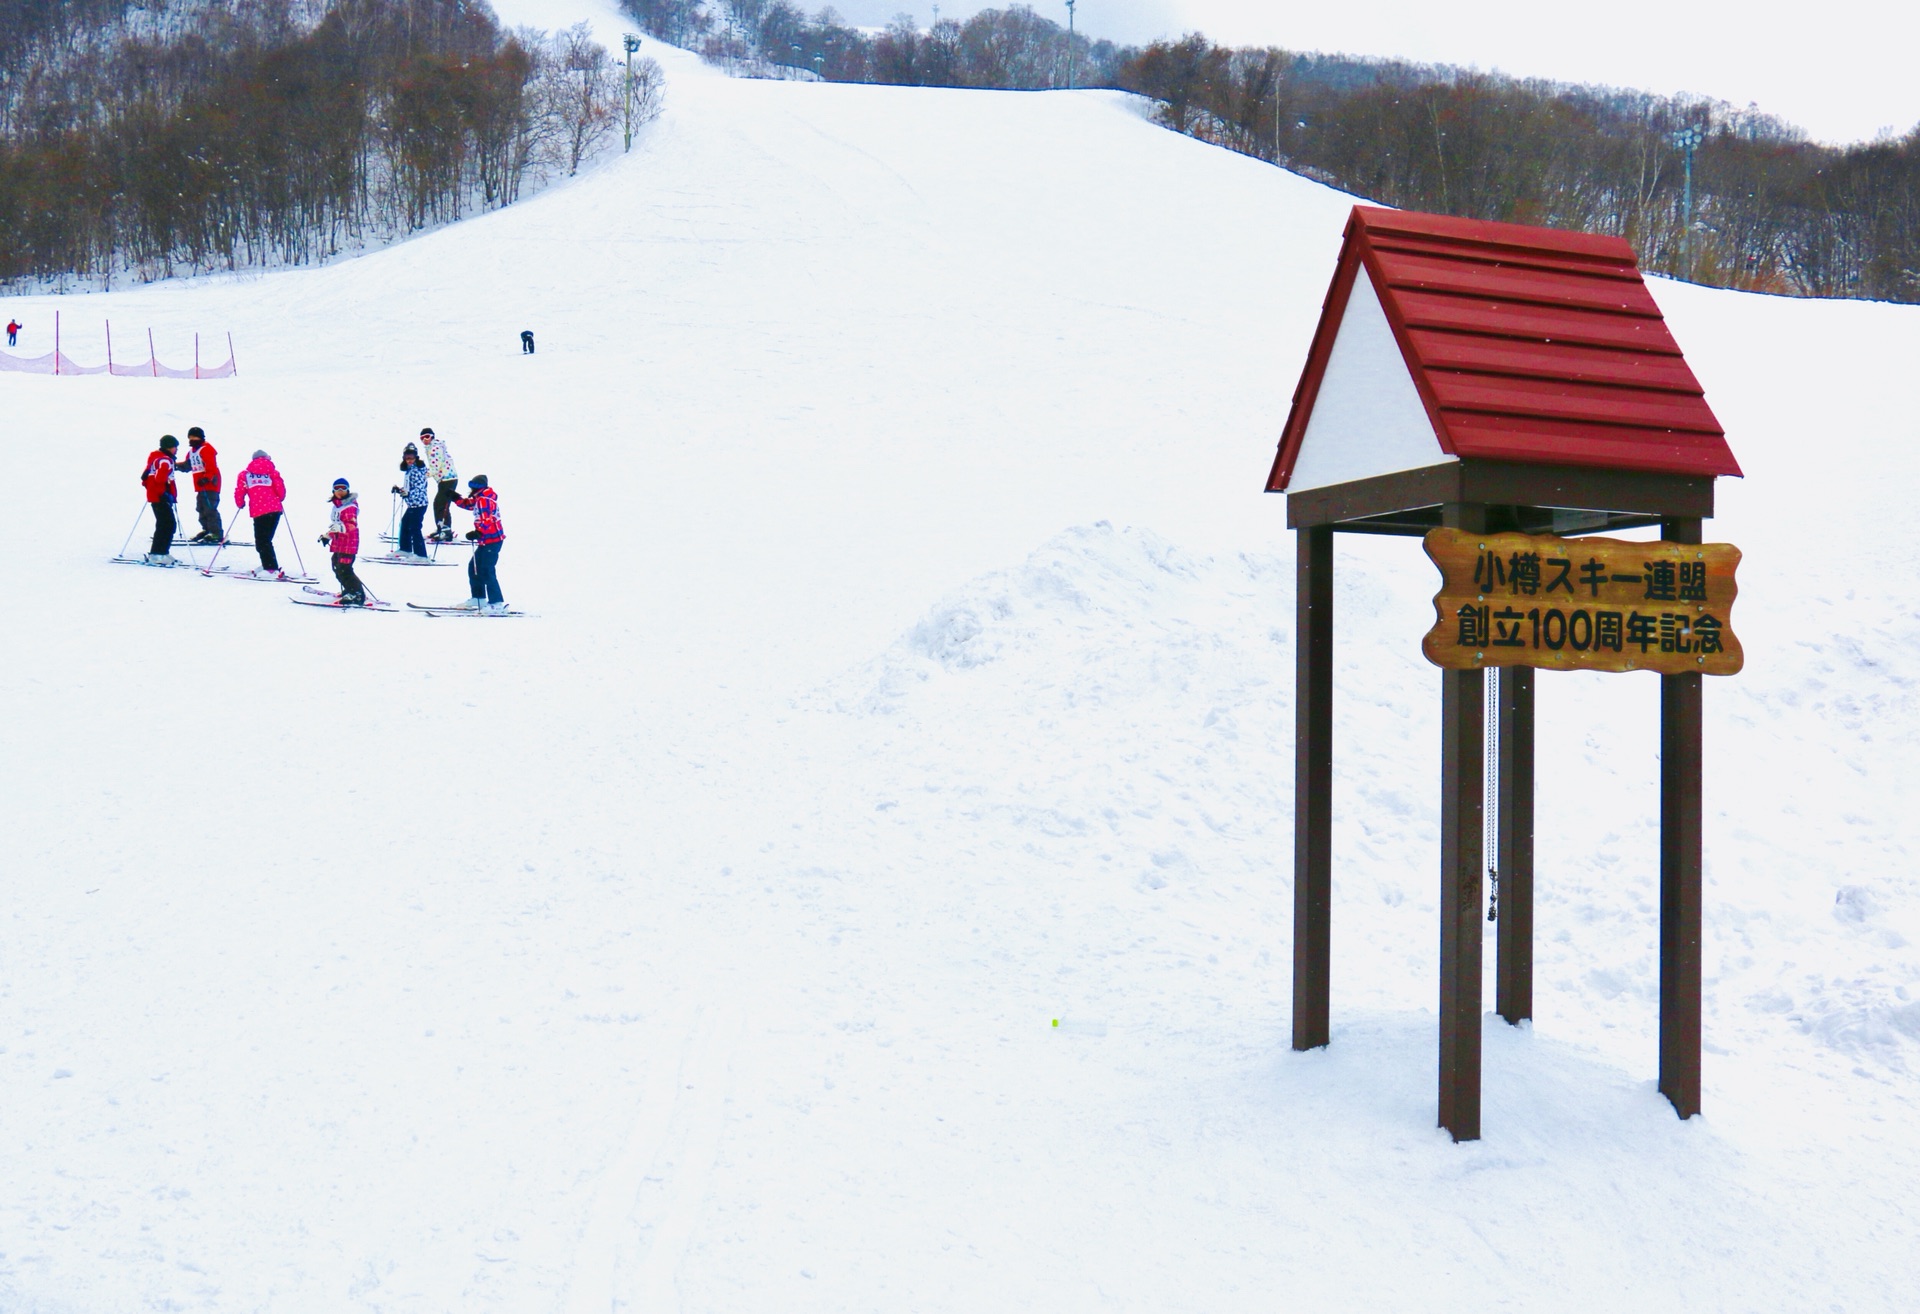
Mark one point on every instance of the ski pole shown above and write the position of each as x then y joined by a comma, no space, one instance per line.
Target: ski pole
288,522
225,541
192,559
393,519
136,529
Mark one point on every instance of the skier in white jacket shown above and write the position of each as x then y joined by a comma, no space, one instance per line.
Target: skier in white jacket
440,470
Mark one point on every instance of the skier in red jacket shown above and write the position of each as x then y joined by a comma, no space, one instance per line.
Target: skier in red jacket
157,479
489,535
343,540
203,464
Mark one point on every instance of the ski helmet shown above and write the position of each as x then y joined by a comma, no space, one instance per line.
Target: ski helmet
196,432
477,483
425,432
168,440
341,483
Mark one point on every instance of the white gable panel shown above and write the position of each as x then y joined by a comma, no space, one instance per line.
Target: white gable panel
1368,419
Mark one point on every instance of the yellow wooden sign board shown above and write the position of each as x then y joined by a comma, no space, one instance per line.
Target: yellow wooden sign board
1582,604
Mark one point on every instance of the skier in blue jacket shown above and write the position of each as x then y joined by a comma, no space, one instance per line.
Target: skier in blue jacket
413,541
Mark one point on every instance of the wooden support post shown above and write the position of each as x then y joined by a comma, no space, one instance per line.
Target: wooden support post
1462,743
1513,989
1313,789
1680,857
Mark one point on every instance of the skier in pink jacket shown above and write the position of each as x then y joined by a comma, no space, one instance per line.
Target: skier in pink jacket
260,489
343,540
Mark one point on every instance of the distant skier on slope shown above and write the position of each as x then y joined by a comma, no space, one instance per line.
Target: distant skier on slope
526,342
203,464
489,535
343,540
412,541
157,479
261,491
440,469
13,332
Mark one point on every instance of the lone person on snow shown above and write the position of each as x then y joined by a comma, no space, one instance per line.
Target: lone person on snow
14,326
526,342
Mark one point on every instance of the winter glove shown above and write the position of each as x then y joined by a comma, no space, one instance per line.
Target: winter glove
323,540
473,533
396,490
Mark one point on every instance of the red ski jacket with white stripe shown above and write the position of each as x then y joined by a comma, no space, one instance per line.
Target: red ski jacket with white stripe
157,478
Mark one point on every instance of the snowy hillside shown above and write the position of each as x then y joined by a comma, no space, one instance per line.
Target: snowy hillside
912,667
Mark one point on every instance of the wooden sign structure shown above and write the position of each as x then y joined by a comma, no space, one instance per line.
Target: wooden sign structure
1583,604
1498,390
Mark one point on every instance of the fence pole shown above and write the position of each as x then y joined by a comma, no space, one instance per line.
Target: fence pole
196,355
153,361
56,342
230,365
109,348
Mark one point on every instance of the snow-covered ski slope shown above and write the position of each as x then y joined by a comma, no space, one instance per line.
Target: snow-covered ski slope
912,667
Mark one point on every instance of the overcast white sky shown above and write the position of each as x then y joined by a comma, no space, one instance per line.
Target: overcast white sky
1843,70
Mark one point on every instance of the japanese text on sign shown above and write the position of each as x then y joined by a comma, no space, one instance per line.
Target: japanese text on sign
1600,604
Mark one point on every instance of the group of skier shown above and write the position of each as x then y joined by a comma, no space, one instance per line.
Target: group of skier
262,492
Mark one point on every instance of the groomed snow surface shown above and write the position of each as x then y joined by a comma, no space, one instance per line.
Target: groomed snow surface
912,667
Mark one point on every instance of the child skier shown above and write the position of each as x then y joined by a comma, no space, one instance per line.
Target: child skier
261,491
343,540
157,479
440,469
489,534
203,464
413,543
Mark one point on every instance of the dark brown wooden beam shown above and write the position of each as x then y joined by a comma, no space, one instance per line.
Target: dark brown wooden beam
1578,488
1625,492
1462,730
1513,976
1680,877
1313,789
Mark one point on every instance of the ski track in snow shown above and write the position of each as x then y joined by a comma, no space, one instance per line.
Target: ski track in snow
911,666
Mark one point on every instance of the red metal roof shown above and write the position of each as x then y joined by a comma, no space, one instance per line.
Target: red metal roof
1526,344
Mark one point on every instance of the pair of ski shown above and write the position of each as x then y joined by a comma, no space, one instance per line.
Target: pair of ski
260,576
402,559
324,598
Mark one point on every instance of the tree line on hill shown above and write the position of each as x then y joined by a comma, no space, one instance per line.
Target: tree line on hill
197,135
1772,211
188,135
1012,49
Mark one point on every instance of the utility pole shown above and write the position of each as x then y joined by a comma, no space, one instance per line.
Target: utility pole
1070,52
1687,139
632,44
